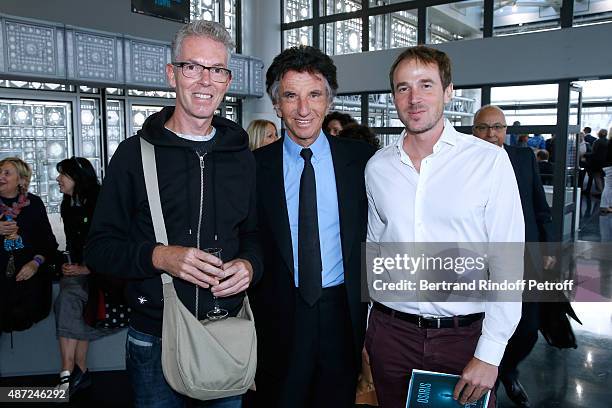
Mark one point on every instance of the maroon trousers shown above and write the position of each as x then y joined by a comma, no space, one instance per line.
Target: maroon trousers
396,347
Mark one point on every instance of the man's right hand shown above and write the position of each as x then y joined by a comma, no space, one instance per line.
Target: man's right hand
8,228
190,264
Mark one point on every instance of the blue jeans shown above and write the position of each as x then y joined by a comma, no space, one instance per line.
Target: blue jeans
143,358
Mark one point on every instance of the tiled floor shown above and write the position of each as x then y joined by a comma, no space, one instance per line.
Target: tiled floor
581,377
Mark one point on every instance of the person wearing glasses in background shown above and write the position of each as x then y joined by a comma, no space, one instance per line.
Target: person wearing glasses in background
206,177
490,125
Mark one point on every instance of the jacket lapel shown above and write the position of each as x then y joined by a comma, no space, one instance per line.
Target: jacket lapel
348,207
275,203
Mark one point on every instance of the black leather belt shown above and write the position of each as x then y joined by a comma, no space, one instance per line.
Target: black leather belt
430,322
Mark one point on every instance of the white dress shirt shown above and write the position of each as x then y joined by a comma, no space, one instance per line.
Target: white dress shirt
466,191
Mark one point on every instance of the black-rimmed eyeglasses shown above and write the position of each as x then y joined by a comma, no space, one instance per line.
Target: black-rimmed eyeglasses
193,70
481,127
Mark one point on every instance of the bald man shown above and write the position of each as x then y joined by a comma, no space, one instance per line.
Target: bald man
490,125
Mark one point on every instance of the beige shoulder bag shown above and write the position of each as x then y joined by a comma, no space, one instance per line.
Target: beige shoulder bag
201,359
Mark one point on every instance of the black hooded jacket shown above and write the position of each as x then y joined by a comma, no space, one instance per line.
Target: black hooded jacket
121,239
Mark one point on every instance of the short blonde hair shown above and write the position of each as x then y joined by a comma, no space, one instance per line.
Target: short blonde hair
24,171
257,131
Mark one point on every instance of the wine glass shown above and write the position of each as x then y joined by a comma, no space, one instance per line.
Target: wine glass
67,257
216,313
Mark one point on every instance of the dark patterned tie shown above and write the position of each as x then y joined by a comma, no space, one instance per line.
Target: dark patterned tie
309,251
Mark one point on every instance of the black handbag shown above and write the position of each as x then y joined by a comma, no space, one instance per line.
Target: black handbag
555,325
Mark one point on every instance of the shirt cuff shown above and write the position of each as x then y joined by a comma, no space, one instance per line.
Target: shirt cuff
489,351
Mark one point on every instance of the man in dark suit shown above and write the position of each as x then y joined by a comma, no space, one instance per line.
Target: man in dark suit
545,167
312,213
490,125
588,137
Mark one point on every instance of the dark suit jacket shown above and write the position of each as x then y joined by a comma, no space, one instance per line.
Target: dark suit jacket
273,298
536,212
546,172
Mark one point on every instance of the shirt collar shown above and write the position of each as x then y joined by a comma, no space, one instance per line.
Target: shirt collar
319,148
449,137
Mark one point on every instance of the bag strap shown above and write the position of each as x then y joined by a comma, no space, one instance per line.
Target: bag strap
149,168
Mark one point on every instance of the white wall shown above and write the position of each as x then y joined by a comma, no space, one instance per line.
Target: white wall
571,53
260,38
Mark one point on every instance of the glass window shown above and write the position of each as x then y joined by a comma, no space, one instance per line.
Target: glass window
39,133
297,36
210,10
341,37
296,10
394,30
229,17
592,12
154,94
329,7
513,17
88,89
376,3
350,104
456,21
382,112
525,94
462,107
597,118
115,91
205,10
531,116
43,86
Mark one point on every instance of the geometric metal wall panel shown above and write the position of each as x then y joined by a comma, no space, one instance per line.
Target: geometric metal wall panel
146,63
139,114
30,50
39,133
89,142
257,80
115,129
239,65
33,49
94,57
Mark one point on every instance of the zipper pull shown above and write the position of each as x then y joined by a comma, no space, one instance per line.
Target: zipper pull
202,161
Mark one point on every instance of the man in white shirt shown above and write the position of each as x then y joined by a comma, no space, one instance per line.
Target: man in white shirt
438,185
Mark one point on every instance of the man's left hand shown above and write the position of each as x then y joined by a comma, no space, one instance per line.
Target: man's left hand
27,271
477,378
549,262
238,274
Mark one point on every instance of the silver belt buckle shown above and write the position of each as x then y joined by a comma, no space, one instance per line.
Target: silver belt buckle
439,321
420,322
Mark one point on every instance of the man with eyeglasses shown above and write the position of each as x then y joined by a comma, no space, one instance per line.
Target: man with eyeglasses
490,125
206,177
436,185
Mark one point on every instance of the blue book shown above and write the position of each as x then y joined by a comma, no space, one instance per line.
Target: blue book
429,389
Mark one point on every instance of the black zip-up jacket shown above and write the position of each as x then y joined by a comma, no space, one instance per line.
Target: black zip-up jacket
121,239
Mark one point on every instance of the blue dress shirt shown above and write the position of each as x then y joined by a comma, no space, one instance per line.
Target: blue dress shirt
327,205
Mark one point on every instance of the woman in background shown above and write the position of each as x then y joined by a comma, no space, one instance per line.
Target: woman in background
261,133
78,182
25,289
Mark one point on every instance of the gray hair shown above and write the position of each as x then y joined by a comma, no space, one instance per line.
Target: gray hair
202,28
274,90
